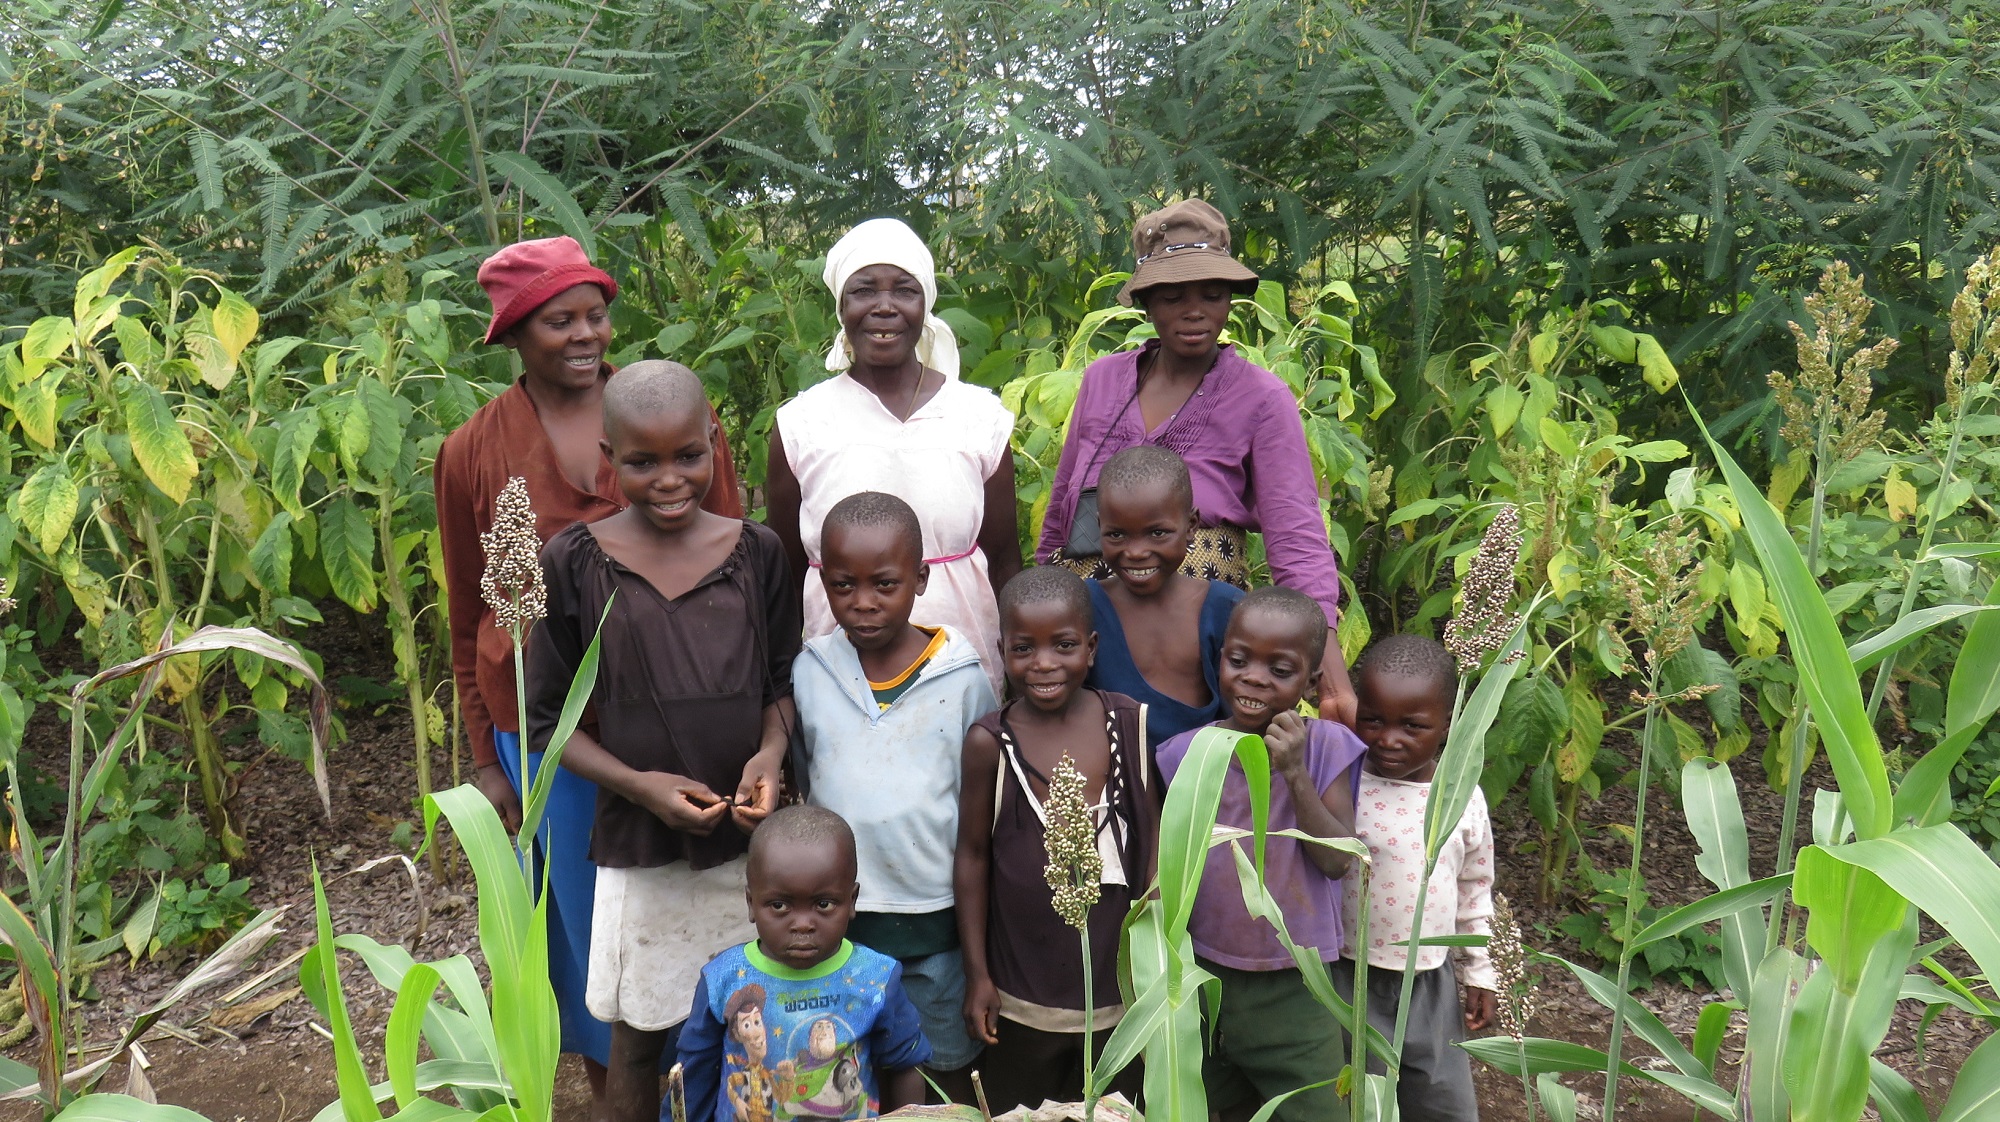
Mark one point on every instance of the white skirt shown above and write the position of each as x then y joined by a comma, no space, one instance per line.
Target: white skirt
653,930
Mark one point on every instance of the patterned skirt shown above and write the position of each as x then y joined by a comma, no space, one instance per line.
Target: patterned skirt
1214,553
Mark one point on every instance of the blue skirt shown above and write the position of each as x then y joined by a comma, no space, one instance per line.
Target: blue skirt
565,848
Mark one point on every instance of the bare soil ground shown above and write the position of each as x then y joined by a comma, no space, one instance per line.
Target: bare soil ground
263,1058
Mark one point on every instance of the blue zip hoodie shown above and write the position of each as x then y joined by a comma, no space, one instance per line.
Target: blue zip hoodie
892,773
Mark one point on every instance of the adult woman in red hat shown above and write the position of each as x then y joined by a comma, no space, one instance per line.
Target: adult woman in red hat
1234,423
552,307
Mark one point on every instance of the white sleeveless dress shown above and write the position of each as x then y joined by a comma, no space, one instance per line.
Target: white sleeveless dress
840,440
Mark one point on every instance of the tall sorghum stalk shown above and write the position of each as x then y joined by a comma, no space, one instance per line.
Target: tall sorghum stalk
1357,1033
1075,874
1514,1005
511,585
1975,341
1663,604
1826,409
1483,625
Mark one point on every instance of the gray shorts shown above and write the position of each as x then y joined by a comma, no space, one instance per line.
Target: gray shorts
1437,1077
936,985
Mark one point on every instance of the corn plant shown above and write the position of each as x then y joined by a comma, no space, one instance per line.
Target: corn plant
43,936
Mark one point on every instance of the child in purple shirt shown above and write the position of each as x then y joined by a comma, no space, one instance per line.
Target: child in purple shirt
1270,1034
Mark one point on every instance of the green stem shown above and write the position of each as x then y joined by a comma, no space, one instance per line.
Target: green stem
522,845
1527,1081
1624,989
1886,668
1358,1030
1089,1014
1796,742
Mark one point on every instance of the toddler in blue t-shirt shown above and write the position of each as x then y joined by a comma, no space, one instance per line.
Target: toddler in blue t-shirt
801,1023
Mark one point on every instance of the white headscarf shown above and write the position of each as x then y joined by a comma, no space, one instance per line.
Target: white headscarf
887,241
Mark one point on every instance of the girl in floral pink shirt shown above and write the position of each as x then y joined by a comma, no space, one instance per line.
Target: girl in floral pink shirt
1404,687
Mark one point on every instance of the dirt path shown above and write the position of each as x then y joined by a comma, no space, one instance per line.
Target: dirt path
221,1061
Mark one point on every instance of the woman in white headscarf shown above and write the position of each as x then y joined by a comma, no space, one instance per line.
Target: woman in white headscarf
896,418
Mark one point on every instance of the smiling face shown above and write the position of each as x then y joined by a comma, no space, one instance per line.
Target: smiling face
882,311
1189,317
748,1029
1046,647
1267,666
1145,528
872,576
562,343
1403,718
665,461
801,901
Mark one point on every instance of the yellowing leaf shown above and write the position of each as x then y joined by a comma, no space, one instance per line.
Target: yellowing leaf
1617,342
48,338
1542,351
1565,573
158,444
1654,365
1787,478
1556,437
211,359
85,586
235,324
46,506
92,286
35,410
1900,495
1746,597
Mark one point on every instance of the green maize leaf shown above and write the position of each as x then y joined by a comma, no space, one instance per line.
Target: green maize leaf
15,1077
1895,1100
1164,1021
1271,1105
1710,1029
1639,1019
1832,689
1941,871
581,685
1975,1093
1464,756
1771,999
1867,652
1187,819
1548,1056
45,998
399,1045
1715,818
1962,550
356,1103
1712,907
1864,931
124,1108
1557,1100
1925,794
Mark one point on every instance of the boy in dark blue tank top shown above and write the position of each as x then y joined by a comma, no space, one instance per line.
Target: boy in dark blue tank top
1159,631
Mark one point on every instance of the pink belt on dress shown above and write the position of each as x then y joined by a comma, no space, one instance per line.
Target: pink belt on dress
970,550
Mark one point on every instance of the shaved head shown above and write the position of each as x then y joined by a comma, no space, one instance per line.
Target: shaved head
652,388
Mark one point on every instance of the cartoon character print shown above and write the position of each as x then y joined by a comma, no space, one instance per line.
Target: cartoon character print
752,1091
824,1080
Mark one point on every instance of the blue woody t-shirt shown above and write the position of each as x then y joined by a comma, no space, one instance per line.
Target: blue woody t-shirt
767,1043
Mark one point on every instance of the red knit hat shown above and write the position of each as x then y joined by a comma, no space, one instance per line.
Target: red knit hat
526,275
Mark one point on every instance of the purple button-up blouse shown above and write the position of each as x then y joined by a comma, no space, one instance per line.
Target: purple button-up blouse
1245,450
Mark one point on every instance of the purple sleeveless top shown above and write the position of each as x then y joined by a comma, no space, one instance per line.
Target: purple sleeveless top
1221,928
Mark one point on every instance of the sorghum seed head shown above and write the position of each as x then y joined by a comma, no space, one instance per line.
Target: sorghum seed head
512,582
1516,1004
1075,871
1483,624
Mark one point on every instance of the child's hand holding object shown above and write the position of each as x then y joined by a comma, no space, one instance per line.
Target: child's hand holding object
757,795
683,803
1478,1008
1285,740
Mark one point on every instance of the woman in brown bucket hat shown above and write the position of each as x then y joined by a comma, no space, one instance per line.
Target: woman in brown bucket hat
1235,424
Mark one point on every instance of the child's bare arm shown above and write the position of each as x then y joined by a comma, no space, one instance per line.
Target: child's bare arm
900,1088
1328,815
683,803
971,869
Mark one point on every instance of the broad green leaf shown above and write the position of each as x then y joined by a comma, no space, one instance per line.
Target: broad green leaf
1557,1100
1464,755
1657,451
1503,408
357,1103
48,339
1925,793
1620,343
1641,1020
1712,907
138,933
124,1108
297,433
400,1039
1772,996
1975,1092
1542,351
1711,1027
1548,1056
347,549
1556,438
158,444
1895,1100
1867,652
92,286
46,506
136,344
1831,687
1941,871
271,556
383,414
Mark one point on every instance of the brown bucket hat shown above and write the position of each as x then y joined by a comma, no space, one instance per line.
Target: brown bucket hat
1187,241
